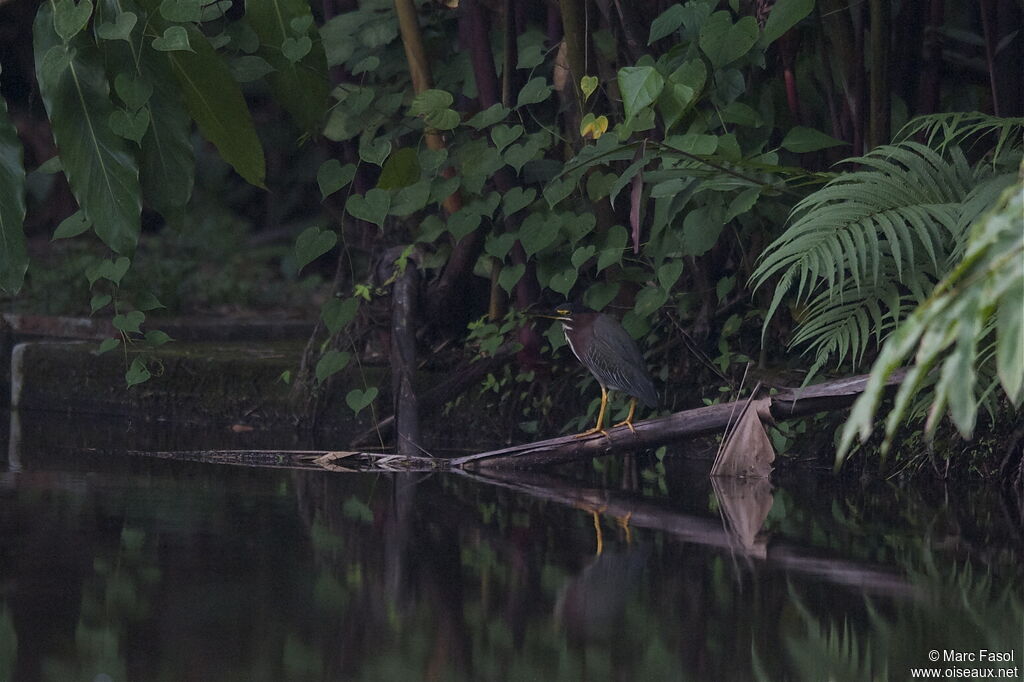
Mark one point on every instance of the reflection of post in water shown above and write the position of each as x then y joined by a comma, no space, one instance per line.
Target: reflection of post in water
410,567
744,504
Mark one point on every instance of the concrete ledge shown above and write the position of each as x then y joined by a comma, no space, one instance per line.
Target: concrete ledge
202,382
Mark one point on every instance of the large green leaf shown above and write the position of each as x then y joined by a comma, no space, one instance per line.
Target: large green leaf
100,169
785,14
640,86
13,257
166,161
213,99
299,86
723,41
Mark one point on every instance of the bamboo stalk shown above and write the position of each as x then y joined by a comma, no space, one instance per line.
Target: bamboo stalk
881,20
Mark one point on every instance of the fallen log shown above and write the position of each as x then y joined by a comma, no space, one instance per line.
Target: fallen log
787,404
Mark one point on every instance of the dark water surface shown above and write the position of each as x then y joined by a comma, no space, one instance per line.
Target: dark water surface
120,567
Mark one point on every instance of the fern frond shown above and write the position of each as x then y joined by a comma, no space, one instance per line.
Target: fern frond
845,324
964,129
953,331
903,206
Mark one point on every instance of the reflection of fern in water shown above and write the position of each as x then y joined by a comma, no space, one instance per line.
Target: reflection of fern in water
954,607
862,251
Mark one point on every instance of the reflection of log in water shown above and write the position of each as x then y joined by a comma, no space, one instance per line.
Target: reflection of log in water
744,507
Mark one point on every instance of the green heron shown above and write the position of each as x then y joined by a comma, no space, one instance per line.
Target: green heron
611,355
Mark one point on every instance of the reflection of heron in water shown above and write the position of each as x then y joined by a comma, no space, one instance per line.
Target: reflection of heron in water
591,605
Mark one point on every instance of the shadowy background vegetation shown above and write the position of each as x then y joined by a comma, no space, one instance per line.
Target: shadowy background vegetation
800,184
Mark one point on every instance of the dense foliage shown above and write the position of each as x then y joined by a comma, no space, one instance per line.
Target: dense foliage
640,157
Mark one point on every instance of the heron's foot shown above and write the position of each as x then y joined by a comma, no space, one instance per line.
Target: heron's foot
591,432
626,422
623,523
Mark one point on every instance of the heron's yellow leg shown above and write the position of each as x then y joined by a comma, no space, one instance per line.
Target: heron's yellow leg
624,524
600,417
629,418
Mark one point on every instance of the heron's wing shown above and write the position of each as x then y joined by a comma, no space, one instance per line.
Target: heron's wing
614,358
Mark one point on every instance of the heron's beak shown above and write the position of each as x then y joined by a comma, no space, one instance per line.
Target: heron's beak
560,314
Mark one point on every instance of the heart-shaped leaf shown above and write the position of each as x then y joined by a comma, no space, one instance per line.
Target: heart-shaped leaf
300,24
99,301
332,176
431,228
374,151
432,159
701,228
510,276
129,125
518,154
137,373
338,312
430,101
401,169
648,300
582,255
611,250
485,206
444,188
723,41
592,128
108,345
134,92
666,23
332,362
588,84
70,18
72,226
537,90
294,49
155,337
120,29
366,65
175,38
372,208
499,245
558,190
576,227
183,11
600,294
112,270
129,322
504,135
669,273
357,399
640,87
536,233
599,184
145,300
562,282
410,199
312,244
446,119
785,14
517,199
488,117
462,222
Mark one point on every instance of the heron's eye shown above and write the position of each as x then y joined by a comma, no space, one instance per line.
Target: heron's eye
562,311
